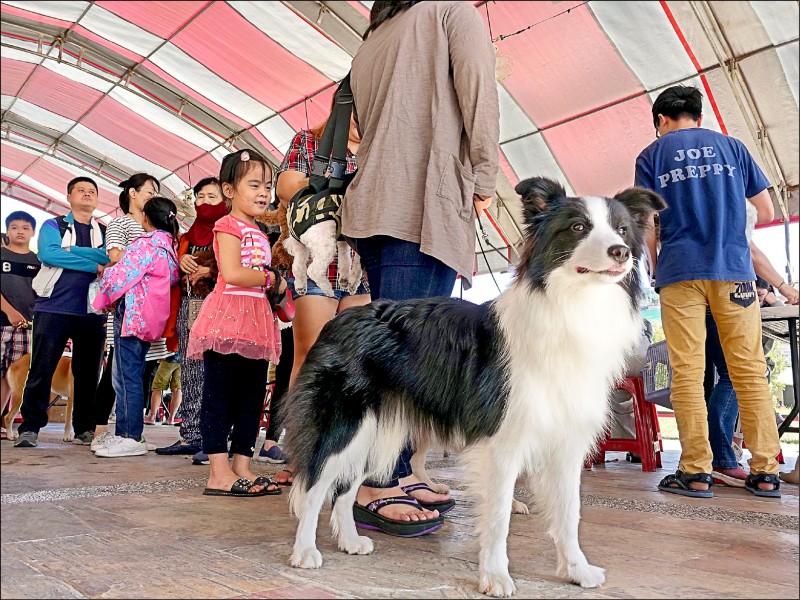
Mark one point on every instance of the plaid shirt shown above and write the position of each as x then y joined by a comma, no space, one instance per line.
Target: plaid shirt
300,157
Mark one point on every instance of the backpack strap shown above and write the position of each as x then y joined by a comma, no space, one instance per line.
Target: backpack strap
63,225
330,158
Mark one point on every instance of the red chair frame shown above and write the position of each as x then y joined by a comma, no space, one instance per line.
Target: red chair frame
647,443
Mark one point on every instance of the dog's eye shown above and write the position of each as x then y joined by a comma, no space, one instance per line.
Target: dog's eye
578,227
622,230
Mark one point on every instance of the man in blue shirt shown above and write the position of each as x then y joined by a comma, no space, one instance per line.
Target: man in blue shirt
72,252
706,179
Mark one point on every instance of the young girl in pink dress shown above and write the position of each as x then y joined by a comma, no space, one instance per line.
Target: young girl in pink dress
236,333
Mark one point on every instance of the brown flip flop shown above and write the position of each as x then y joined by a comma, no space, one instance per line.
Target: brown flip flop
286,483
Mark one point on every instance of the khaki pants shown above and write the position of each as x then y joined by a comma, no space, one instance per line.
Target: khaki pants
683,313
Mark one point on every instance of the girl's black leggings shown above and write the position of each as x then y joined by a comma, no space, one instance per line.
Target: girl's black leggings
234,388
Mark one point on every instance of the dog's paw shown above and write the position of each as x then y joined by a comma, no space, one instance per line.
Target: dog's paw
300,289
358,545
12,434
519,508
440,488
309,558
498,585
586,575
68,437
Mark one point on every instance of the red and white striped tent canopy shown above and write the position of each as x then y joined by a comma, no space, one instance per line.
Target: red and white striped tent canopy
110,88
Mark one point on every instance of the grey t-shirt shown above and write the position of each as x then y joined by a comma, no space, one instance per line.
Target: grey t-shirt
18,271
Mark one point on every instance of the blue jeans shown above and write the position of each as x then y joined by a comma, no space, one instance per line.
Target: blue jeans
127,372
397,270
722,405
315,290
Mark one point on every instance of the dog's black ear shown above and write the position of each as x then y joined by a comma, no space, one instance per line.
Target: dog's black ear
641,202
537,194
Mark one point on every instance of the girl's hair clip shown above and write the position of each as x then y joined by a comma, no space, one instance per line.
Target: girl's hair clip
244,156
171,215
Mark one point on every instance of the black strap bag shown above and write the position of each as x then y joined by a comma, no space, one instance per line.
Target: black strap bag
321,199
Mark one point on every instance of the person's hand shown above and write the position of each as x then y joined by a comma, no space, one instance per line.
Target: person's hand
16,319
787,291
481,202
282,286
100,269
199,274
188,264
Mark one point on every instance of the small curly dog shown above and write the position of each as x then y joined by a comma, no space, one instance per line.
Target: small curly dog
203,286
315,239
281,259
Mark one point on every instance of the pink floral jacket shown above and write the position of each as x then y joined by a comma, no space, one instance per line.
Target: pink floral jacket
147,271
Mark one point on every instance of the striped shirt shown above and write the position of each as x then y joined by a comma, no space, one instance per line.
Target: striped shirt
256,253
121,231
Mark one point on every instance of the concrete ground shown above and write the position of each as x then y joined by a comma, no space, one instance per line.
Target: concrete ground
77,526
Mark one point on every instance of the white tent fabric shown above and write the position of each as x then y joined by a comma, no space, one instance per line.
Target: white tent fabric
110,88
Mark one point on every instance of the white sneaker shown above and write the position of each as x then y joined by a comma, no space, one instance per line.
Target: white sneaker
101,440
122,447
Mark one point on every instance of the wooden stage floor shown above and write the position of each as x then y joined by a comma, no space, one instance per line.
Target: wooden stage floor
76,526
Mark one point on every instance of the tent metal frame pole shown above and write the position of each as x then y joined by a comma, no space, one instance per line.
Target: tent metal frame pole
57,41
743,97
97,174
110,77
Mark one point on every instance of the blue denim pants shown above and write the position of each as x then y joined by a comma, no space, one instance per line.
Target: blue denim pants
398,270
722,405
127,372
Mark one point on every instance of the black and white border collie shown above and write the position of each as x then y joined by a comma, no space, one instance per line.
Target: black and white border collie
521,382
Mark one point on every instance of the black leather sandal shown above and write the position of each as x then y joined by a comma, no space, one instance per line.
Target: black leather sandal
679,483
752,481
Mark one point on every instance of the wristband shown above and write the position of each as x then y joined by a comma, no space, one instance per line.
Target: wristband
267,282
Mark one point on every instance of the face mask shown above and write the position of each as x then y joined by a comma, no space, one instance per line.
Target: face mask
210,213
201,233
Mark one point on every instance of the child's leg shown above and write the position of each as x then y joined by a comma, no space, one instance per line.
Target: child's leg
174,405
127,373
155,402
215,418
128,386
251,388
177,397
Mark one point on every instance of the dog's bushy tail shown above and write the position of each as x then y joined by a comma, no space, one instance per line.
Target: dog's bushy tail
333,436
322,421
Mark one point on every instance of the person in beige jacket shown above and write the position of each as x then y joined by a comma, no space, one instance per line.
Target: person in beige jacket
425,100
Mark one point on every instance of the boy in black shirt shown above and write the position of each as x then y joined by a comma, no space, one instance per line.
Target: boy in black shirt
19,265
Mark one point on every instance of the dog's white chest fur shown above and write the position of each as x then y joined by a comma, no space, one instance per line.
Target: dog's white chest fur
566,347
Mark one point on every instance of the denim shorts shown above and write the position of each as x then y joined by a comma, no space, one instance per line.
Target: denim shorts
314,290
